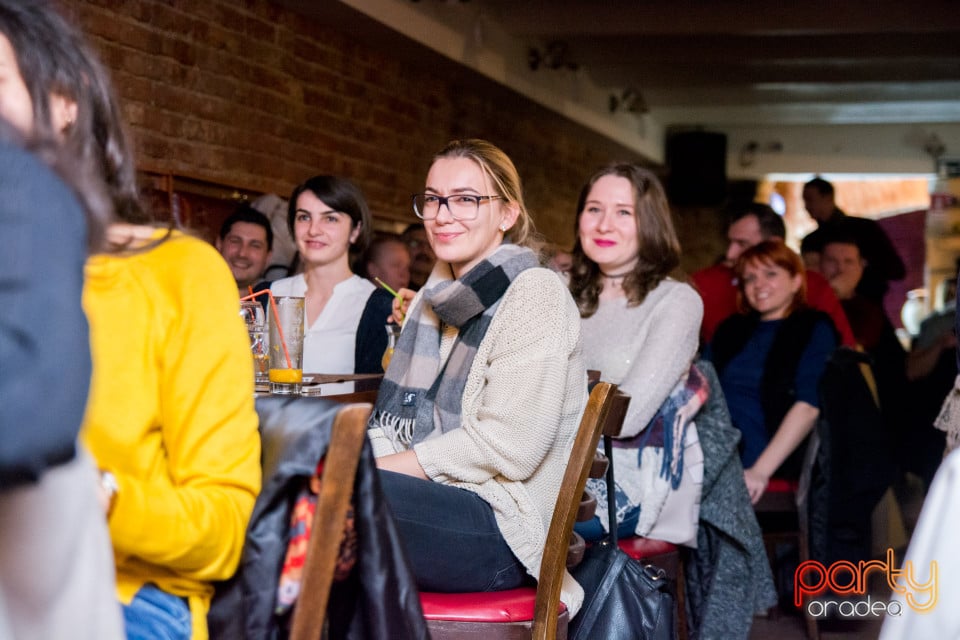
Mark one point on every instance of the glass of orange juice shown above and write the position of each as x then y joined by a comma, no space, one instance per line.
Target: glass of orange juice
286,345
393,332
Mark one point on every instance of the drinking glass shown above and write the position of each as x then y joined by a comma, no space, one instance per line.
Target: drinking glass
252,313
393,332
286,345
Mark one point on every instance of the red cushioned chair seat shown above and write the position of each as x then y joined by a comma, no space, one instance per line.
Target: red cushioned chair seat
639,548
781,485
512,605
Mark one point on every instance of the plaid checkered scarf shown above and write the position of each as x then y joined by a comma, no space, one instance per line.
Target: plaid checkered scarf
417,386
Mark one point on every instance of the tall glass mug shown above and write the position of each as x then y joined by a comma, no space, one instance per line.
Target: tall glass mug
255,319
286,345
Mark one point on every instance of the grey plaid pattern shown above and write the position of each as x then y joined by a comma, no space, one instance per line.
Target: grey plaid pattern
416,383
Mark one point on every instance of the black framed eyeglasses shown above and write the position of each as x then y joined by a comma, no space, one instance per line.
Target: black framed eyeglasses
462,206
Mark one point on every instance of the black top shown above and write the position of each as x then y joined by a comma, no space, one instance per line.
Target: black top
883,261
778,387
371,332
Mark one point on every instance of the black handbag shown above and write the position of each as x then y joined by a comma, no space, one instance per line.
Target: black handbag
623,599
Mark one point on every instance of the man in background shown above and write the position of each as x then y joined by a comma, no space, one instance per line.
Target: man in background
388,260
246,242
422,256
560,260
883,263
843,264
752,224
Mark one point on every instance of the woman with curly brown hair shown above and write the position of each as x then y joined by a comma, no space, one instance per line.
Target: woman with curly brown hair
640,330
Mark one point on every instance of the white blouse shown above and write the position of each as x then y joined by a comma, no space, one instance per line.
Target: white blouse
330,343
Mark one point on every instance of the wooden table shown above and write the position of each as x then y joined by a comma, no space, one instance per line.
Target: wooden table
331,385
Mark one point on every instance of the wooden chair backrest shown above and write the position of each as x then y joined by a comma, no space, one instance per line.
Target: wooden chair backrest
612,427
336,491
554,561
618,413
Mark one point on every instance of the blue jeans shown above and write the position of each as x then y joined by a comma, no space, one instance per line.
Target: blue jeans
451,537
156,615
592,530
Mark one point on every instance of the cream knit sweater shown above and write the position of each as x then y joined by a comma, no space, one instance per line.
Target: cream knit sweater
645,349
522,404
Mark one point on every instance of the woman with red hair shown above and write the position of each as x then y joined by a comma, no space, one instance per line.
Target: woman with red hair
770,358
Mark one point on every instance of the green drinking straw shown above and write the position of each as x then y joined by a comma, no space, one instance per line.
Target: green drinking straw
393,293
389,290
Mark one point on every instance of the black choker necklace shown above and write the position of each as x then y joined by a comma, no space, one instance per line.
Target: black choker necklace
616,276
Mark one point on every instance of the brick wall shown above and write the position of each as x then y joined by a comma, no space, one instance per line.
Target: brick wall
251,95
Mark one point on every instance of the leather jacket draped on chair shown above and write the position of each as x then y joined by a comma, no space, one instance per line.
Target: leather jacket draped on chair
380,598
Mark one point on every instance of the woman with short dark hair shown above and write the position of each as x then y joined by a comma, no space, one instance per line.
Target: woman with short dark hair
344,314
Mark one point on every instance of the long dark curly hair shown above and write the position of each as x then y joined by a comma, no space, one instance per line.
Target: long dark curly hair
659,248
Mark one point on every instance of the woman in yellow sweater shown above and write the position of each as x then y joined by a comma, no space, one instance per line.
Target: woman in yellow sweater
170,419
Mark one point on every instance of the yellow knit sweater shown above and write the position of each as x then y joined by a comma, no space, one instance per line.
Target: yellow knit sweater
171,415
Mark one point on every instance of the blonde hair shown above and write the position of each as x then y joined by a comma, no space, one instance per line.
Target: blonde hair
496,164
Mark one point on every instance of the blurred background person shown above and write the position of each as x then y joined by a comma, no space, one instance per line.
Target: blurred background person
422,256
750,225
843,264
344,314
170,419
246,243
283,249
559,260
388,259
56,563
883,263
931,370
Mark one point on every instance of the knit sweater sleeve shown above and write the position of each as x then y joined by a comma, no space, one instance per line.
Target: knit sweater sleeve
662,347
521,385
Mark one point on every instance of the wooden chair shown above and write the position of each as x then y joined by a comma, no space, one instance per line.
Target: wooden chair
296,433
336,490
529,612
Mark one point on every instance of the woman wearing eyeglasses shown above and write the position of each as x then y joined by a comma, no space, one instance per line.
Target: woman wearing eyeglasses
345,314
480,404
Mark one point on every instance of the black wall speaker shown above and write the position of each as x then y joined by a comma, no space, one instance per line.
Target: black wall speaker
697,163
